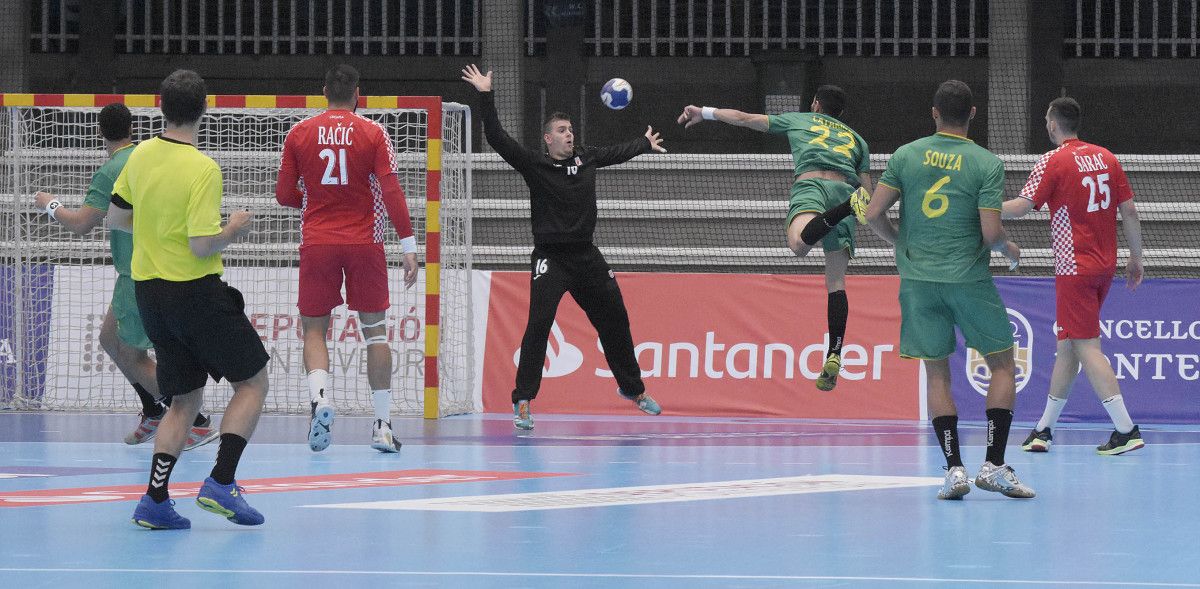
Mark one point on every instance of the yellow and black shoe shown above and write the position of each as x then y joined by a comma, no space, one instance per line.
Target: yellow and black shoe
859,202
1038,441
1119,443
829,373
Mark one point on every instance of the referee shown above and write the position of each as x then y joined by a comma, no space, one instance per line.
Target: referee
562,193
169,196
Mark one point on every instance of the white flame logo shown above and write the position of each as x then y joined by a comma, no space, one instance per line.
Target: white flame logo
562,358
978,373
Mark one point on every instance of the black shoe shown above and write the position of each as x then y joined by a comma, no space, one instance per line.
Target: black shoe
1119,443
1038,441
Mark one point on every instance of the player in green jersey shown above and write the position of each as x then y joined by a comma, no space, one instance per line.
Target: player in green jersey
121,334
831,185
950,193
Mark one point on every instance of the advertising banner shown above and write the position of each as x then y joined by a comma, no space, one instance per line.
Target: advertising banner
714,344
25,297
1150,336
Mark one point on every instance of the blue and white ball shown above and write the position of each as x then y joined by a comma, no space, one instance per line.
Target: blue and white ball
617,94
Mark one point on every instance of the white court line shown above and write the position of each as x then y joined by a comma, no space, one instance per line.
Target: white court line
607,576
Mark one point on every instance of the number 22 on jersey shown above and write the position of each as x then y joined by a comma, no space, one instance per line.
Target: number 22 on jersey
845,149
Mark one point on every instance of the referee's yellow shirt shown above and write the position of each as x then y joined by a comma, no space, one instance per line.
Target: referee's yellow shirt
175,192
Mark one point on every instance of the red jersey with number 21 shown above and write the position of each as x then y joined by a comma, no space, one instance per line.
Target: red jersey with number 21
339,168
1083,184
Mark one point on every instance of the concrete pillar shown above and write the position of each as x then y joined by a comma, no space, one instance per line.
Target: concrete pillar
1046,37
96,56
503,50
1008,89
14,46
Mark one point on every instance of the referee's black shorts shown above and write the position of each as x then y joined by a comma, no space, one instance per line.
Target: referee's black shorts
199,329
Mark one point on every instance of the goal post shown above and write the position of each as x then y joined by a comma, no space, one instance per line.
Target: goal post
55,287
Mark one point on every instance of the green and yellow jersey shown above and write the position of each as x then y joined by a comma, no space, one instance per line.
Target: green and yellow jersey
99,195
821,142
175,193
944,180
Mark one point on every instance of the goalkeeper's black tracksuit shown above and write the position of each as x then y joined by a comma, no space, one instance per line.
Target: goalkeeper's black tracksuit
562,198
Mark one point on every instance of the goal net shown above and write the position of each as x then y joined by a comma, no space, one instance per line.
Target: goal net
55,287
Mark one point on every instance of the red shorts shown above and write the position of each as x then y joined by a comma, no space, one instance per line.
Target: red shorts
1079,299
321,271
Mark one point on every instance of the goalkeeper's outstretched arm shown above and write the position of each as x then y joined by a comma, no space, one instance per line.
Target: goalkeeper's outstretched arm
694,114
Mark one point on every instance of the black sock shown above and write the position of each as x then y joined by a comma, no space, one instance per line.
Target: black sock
822,224
200,421
999,422
228,456
838,311
150,406
946,428
160,474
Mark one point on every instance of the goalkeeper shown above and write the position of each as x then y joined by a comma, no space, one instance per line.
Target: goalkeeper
121,333
830,159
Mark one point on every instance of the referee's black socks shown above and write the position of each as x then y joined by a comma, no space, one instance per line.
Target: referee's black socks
228,456
160,475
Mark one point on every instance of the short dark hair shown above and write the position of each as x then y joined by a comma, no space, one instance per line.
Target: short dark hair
184,97
340,83
832,99
116,122
555,116
1067,112
954,101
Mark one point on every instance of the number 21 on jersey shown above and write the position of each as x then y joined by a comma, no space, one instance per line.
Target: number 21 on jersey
1094,185
334,159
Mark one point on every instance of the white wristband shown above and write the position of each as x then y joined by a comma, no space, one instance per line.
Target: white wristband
408,245
51,207
708,113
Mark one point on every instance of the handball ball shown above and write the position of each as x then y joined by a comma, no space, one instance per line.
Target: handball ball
617,94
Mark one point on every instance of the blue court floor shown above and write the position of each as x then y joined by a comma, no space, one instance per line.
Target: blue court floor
586,502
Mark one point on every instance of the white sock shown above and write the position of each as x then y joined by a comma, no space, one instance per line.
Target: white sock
1054,407
317,381
383,404
1115,406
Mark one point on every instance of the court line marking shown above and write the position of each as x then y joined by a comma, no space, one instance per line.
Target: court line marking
699,577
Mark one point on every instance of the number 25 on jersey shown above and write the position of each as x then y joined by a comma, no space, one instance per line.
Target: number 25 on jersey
1094,185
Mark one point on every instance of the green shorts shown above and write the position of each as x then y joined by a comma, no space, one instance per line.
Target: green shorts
129,321
817,195
930,310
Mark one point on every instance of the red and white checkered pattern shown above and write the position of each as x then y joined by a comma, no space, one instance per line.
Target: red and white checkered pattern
1064,243
1039,171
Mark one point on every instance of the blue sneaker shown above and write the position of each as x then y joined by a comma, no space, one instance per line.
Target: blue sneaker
522,418
159,516
227,501
644,402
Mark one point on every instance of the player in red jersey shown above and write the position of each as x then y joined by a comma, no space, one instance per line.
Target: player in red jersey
1084,186
340,170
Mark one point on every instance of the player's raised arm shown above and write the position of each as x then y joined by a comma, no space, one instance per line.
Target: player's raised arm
694,114
505,145
287,185
612,155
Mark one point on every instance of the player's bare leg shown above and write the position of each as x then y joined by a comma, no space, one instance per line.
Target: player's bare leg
1062,377
794,229
1099,372
316,368
944,415
995,475
837,312
379,376
220,493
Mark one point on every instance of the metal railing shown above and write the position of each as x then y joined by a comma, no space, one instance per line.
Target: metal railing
1132,28
272,27
732,27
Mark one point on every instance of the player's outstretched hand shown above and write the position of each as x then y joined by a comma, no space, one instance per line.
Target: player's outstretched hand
655,140
241,223
410,270
1013,253
479,80
1133,273
691,115
41,199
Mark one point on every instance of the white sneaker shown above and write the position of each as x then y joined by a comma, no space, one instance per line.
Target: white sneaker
1003,480
382,438
319,434
957,484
